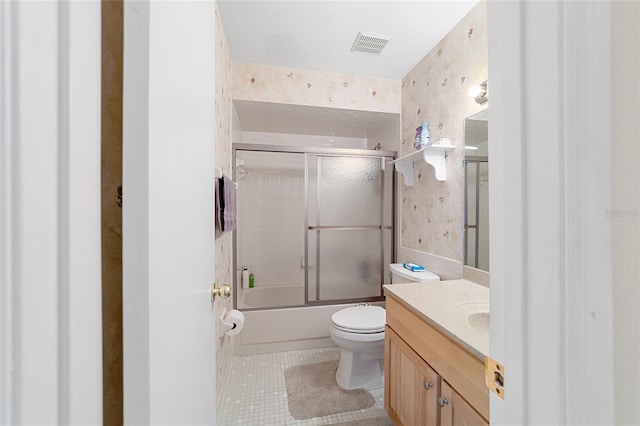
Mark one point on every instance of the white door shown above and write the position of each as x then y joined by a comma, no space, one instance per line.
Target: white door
168,213
50,308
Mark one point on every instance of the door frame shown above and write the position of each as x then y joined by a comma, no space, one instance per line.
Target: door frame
50,298
551,282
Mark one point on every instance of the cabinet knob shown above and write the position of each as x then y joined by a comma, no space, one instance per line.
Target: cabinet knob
427,385
442,402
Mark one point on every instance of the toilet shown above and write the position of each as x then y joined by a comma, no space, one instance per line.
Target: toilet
359,332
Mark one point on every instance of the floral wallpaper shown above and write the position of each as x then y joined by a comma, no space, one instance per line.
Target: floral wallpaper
223,242
436,91
253,82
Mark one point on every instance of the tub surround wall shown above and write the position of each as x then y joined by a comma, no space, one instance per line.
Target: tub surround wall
436,90
223,242
253,82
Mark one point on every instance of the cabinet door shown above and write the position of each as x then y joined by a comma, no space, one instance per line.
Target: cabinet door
411,386
456,411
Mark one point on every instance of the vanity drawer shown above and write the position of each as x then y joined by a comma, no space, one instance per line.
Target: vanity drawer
456,365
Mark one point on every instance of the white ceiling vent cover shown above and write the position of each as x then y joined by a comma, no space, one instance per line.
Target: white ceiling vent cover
369,44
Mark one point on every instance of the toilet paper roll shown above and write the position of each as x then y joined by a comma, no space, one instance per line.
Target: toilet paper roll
233,322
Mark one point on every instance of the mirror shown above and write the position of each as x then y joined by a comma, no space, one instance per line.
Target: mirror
476,191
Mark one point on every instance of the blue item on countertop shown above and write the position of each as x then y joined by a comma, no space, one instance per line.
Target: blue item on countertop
413,267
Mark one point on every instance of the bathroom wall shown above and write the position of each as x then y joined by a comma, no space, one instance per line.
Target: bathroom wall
625,213
253,82
111,171
224,241
436,90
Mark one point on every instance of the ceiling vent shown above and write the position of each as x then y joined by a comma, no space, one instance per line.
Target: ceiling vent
368,44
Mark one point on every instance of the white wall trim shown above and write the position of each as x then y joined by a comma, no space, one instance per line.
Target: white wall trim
8,206
550,243
84,300
51,351
135,213
506,201
587,202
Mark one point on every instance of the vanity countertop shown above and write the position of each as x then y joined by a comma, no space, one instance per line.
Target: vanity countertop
458,308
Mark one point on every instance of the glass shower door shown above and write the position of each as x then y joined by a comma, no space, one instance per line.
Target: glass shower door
349,218
270,228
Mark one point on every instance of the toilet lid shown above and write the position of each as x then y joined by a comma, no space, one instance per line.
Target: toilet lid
361,318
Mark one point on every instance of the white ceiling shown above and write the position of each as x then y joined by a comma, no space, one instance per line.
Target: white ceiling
318,35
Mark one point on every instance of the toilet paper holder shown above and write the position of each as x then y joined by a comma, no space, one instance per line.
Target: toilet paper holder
230,322
224,291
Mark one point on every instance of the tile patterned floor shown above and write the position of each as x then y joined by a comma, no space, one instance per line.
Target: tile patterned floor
255,394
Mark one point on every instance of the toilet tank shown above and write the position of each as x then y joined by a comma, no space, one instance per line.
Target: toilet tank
400,274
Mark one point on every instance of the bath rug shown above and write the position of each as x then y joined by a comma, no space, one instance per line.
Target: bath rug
312,391
375,421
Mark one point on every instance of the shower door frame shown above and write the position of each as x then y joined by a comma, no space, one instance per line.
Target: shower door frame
384,156
477,160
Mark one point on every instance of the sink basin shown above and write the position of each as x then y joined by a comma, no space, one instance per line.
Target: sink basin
476,313
479,321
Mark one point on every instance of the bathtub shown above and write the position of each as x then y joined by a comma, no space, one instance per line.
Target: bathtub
283,329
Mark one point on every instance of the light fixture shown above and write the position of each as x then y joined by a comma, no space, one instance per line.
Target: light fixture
480,93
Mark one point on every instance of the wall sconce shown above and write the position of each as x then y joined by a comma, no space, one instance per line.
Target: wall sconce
480,93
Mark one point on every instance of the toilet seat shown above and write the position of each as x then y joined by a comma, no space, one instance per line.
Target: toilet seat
360,319
356,336
357,331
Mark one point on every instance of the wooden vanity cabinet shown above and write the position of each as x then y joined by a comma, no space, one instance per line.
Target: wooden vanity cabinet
412,387
456,411
429,379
